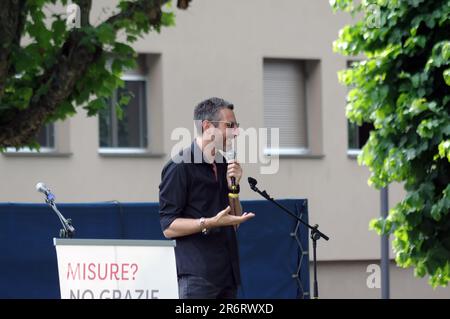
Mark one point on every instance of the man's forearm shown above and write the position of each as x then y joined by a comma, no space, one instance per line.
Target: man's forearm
182,227
186,226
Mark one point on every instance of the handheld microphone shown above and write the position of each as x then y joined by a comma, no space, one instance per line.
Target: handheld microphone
233,196
42,188
231,155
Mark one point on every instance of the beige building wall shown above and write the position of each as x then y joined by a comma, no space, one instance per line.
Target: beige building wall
355,280
217,49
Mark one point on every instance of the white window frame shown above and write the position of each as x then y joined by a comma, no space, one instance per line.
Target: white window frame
286,151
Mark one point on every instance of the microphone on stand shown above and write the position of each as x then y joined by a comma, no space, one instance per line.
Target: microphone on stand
42,188
315,235
252,183
68,229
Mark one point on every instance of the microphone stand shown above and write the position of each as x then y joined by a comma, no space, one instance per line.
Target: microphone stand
68,230
316,234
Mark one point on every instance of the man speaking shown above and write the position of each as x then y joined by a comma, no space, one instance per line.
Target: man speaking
194,206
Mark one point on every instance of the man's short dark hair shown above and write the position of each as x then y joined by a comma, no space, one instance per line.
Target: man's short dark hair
209,110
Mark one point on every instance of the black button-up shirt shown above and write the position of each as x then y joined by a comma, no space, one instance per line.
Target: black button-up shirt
189,189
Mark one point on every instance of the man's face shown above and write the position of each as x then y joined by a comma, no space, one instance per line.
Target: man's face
225,129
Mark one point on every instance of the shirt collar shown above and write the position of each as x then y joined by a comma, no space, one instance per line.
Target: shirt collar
198,157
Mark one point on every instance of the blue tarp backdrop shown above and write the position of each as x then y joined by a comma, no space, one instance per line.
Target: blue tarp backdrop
272,246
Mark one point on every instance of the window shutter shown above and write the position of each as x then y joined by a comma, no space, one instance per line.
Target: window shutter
284,102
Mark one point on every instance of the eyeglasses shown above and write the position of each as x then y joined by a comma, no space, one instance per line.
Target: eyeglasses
228,124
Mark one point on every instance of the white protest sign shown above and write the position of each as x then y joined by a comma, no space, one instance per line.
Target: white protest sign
116,269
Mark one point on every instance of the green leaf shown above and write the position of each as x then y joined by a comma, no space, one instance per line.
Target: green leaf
446,75
95,106
24,95
168,19
418,106
58,29
123,49
125,99
444,149
427,128
106,33
119,111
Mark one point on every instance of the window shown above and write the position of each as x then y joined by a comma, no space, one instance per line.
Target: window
358,135
284,102
130,132
139,132
45,138
292,103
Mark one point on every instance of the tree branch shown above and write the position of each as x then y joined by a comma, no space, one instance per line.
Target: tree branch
152,9
183,4
85,7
